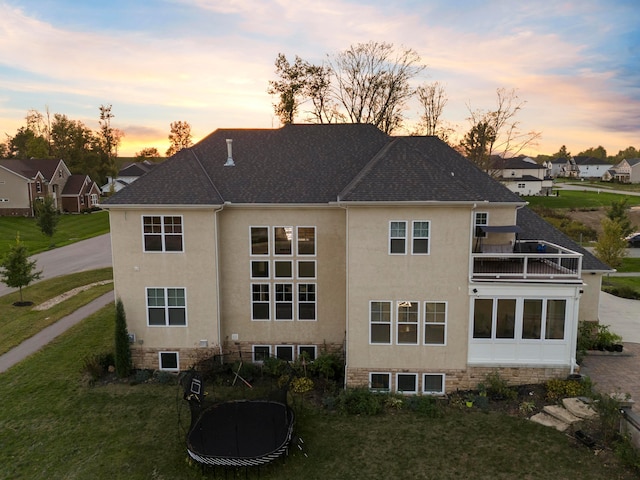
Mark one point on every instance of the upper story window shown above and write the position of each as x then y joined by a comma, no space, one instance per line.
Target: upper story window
407,315
283,240
39,187
259,240
420,240
306,240
397,238
166,307
162,233
481,219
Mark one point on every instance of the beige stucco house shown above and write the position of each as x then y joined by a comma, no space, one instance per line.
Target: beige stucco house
397,252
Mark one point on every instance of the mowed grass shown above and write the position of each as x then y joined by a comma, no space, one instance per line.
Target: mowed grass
575,199
70,229
54,425
19,323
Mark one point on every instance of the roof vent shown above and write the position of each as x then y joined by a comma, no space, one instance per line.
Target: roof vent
230,162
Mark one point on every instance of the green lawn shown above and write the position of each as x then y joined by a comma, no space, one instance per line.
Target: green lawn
70,229
54,425
19,323
580,200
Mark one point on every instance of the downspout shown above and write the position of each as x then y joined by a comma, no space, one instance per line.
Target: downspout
346,307
574,331
217,255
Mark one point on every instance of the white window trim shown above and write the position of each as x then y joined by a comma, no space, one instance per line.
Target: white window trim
398,323
162,234
315,242
293,241
407,374
293,302
166,307
424,322
253,353
268,277
315,270
476,224
406,234
293,266
381,390
251,301
390,322
260,255
427,238
444,387
298,302
177,354
314,347
288,347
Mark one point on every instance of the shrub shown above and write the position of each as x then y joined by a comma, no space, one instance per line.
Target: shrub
164,378
623,291
558,389
497,387
361,401
328,365
424,405
97,365
123,349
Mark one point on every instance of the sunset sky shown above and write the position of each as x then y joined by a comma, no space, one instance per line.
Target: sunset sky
208,62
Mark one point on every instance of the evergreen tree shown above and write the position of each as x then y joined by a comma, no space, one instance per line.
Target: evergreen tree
16,270
47,216
123,350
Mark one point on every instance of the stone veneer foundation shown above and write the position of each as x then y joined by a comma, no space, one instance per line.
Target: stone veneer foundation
467,379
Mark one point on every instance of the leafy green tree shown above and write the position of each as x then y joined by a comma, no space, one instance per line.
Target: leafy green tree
74,143
179,136
618,213
611,246
476,144
629,152
598,152
290,88
562,153
16,270
123,349
47,216
27,144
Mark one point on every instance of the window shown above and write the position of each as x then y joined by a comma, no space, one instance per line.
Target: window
556,312
506,318
380,382
162,233
284,352
495,318
39,187
420,239
169,361
307,351
259,240
306,241
407,318
284,301
260,301
407,383
433,384
306,269
259,269
81,199
481,219
435,318
521,185
380,320
261,353
532,319
94,199
397,238
166,307
306,301
283,269
282,238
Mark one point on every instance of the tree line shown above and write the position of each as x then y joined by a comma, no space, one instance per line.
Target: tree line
83,150
374,83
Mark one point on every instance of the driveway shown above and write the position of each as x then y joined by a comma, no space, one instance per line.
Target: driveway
80,256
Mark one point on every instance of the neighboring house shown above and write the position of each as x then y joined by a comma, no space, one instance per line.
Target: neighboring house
563,167
397,252
79,193
522,175
590,167
627,171
127,174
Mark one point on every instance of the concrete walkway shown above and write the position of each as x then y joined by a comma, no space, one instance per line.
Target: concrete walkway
42,338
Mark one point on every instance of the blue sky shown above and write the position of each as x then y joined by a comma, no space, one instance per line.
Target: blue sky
208,62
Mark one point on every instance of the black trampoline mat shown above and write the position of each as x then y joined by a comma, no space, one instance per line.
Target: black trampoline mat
241,429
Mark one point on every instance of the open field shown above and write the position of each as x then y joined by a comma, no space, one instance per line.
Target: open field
70,229
55,425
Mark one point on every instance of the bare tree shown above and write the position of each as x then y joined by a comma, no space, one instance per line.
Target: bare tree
180,137
432,98
505,137
373,82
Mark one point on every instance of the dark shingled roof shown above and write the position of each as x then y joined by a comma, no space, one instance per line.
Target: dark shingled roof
535,228
29,167
313,164
74,185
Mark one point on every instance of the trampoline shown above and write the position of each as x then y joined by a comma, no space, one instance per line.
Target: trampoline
241,433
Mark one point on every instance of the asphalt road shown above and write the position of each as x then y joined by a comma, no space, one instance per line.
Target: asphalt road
80,256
